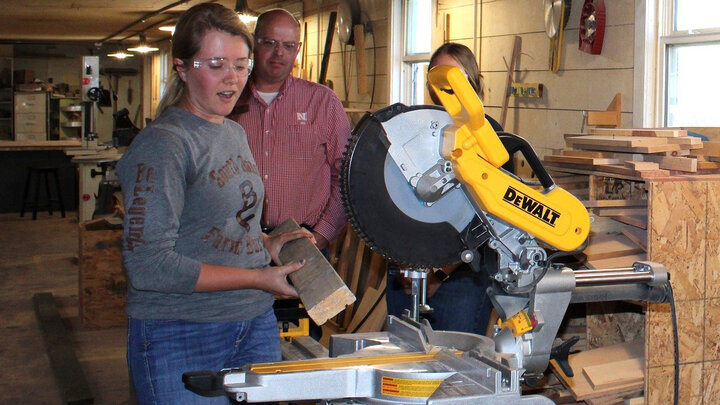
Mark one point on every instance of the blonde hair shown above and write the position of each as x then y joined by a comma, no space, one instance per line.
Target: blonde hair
189,33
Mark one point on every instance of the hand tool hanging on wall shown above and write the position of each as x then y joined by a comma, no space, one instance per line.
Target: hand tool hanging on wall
511,70
557,13
592,27
328,47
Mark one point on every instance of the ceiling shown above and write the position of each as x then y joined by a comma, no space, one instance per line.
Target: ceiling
93,21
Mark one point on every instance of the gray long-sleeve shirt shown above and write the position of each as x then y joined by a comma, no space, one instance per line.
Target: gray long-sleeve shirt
193,195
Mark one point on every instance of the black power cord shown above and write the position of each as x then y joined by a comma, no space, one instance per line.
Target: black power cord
676,349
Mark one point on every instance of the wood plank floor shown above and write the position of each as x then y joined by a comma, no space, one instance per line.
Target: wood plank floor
41,256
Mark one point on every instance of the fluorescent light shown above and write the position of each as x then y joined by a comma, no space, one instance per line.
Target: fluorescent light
120,54
143,46
247,19
167,28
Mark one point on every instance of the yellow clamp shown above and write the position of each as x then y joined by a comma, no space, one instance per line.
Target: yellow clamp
519,323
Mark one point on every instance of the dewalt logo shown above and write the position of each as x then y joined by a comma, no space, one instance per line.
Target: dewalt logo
531,206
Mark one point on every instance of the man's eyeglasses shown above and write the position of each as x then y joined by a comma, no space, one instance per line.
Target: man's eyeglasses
289,46
242,67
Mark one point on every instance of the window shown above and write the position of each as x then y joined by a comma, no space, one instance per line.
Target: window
690,51
413,49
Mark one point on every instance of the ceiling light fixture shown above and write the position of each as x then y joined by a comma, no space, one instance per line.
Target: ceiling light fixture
120,54
167,28
143,46
246,15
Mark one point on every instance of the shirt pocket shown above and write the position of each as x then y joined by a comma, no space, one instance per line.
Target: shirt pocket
305,143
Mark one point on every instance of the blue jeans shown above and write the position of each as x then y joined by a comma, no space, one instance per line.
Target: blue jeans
160,351
460,304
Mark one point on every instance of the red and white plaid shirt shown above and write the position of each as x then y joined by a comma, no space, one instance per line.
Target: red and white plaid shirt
298,143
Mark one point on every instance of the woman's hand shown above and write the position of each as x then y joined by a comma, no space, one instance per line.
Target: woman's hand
274,279
274,243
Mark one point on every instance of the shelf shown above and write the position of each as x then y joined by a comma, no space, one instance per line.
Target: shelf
72,124
72,108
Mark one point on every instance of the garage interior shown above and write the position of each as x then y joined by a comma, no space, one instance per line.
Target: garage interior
603,109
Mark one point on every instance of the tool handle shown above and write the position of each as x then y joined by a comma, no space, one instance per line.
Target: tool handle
514,143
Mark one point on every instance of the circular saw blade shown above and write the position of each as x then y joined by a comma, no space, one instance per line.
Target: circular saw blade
380,203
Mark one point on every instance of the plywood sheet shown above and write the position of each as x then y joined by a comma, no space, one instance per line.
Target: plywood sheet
653,132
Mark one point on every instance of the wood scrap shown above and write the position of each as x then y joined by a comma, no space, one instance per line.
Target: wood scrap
611,117
618,372
708,165
641,165
674,163
637,235
610,245
322,291
579,384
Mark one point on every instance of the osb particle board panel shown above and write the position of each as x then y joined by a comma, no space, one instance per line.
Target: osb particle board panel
658,332
712,332
712,246
660,380
676,234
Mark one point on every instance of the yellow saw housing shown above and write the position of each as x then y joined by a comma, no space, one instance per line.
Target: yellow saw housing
552,215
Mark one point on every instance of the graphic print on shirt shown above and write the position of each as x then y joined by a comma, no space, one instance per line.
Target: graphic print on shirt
137,208
233,236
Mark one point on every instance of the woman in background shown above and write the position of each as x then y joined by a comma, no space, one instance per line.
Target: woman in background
455,293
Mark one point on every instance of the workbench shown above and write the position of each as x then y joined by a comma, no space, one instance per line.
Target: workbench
16,157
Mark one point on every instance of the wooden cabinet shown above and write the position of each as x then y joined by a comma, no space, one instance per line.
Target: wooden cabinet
6,99
31,116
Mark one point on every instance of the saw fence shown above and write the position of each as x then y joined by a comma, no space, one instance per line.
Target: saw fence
365,274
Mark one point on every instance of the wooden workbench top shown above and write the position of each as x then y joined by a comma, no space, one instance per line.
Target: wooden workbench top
39,145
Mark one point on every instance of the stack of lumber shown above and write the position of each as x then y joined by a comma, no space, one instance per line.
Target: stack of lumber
642,153
365,274
606,375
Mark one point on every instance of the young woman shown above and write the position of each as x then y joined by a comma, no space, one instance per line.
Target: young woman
201,288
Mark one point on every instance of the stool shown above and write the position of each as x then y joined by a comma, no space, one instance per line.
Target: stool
37,174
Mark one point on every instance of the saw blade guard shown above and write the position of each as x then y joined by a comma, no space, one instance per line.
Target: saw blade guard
552,215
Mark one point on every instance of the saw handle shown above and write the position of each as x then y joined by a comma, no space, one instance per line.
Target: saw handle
514,143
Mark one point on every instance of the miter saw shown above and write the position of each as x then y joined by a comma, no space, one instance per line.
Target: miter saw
427,187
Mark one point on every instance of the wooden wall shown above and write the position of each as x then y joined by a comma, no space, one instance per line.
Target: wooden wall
342,69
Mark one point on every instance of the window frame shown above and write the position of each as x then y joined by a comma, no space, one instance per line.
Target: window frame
401,62
651,102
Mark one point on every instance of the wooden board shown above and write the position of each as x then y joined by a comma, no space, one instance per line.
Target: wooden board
609,140
655,132
609,245
321,290
629,149
616,373
102,283
620,211
674,162
70,377
579,384
614,203
639,221
637,235
587,153
619,169
709,149
615,262
590,161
